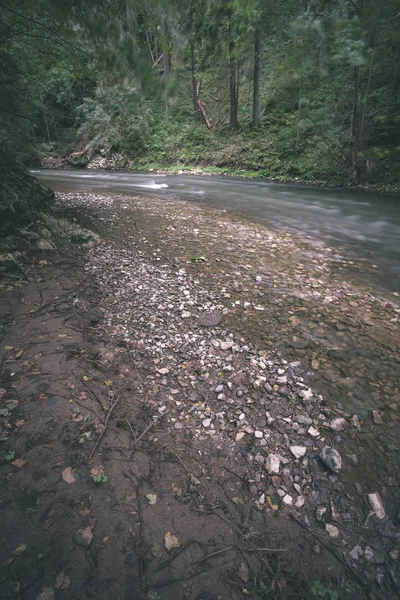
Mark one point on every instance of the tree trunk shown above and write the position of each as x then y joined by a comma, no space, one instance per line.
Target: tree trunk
233,90
164,42
256,80
194,83
353,129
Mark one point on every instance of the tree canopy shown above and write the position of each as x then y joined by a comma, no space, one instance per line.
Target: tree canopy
298,89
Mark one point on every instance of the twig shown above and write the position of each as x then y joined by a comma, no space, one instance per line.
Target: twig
95,396
331,550
156,420
180,460
213,554
105,427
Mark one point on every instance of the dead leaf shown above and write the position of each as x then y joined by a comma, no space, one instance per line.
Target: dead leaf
171,541
84,513
19,354
20,549
68,475
20,423
18,462
46,593
62,582
77,418
103,541
2,392
243,572
83,537
152,499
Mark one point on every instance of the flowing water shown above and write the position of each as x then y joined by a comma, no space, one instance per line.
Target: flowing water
361,226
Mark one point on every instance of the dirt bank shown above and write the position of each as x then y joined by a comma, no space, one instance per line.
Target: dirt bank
169,392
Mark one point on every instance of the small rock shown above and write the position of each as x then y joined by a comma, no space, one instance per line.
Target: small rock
62,582
320,512
376,504
258,434
300,502
243,572
377,417
317,549
369,553
46,593
337,424
186,314
332,530
206,422
178,425
163,371
331,458
272,463
355,421
313,432
288,500
298,451
356,553
226,345
45,245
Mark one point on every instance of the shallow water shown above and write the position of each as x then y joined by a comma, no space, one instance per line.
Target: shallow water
361,226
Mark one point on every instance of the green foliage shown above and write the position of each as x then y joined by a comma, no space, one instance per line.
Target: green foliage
319,590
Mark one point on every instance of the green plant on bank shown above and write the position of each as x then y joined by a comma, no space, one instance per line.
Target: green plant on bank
319,590
10,456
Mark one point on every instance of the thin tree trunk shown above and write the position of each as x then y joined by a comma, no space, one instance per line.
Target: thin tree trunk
299,110
256,80
46,123
233,98
194,83
361,134
354,122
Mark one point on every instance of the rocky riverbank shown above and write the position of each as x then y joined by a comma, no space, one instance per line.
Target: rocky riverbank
233,383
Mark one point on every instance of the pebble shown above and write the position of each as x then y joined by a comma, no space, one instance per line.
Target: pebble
272,464
331,458
226,345
313,432
206,422
376,504
298,451
178,425
356,553
288,500
186,314
337,424
332,530
258,434
377,417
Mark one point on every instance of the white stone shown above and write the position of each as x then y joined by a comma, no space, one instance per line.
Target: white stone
332,530
300,502
186,314
258,434
226,345
337,424
298,451
356,553
288,500
313,431
206,422
272,463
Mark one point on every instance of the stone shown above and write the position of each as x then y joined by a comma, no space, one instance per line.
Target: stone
376,504
272,464
313,432
258,434
300,502
356,553
332,530
331,458
163,371
337,424
377,417
288,500
206,422
369,553
226,345
186,314
178,425
45,245
355,421
298,451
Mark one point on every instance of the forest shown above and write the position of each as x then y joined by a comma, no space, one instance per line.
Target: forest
288,89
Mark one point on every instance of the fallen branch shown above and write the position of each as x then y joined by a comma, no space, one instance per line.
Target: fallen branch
141,436
103,432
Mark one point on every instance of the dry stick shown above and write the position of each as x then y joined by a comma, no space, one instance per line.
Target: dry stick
204,512
180,460
95,396
137,440
331,550
102,433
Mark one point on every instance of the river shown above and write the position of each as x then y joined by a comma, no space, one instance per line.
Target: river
362,226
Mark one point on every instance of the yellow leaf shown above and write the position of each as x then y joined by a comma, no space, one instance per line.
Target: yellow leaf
85,378
245,591
276,387
8,348
20,549
70,401
108,383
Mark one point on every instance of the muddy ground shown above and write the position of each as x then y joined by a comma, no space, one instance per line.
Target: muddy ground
169,385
